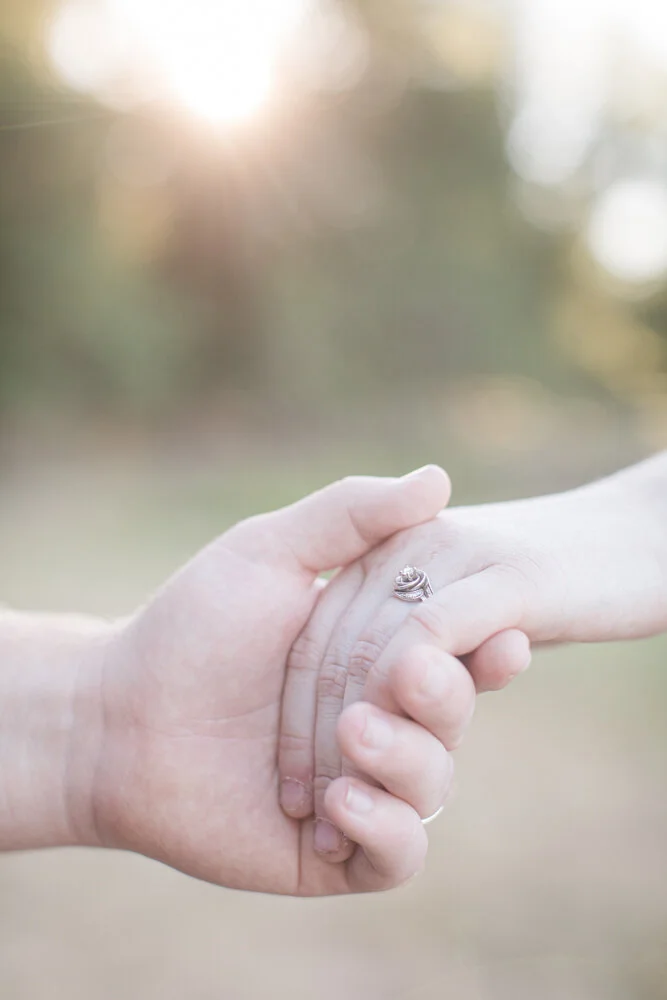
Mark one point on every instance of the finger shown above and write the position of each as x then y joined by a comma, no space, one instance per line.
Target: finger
392,840
405,502
371,644
358,640
403,757
313,667
343,521
457,620
299,705
343,661
379,631
499,660
436,690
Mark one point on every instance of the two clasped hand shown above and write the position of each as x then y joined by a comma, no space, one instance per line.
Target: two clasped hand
264,730
159,734
589,565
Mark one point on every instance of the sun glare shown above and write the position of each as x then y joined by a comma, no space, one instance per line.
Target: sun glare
218,58
627,231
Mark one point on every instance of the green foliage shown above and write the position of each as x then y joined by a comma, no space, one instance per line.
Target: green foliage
349,246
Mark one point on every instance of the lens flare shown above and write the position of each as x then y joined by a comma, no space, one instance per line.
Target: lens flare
627,231
217,58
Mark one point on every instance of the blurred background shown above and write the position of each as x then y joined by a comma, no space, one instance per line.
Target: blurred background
247,247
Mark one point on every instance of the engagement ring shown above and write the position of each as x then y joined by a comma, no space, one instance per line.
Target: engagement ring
412,584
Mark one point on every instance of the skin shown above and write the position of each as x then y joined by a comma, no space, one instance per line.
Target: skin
159,734
589,565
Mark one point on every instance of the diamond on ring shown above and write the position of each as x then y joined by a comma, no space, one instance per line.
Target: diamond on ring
412,585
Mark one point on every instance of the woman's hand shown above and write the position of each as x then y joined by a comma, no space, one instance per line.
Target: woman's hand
589,565
191,688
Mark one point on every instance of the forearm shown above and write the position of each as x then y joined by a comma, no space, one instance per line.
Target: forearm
610,545
638,495
50,669
586,565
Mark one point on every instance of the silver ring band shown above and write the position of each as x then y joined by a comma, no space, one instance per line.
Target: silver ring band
429,819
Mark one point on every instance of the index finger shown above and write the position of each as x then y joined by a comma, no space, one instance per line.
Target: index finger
457,619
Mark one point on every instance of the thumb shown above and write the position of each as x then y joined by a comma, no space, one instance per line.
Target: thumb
343,521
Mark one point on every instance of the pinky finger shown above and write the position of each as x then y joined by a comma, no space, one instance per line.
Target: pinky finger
391,839
499,660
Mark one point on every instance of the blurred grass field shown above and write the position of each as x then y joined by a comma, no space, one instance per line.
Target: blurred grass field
547,875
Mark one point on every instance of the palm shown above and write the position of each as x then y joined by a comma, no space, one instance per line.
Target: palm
206,735
192,690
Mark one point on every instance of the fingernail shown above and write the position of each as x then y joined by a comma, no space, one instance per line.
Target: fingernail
420,472
327,839
293,795
358,802
378,733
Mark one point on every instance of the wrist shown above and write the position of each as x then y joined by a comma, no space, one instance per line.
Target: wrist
640,492
646,486
637,499
51,729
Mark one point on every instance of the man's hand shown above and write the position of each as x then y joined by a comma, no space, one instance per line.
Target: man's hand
191,689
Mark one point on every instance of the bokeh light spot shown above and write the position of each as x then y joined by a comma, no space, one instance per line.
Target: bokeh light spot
627,231
217,58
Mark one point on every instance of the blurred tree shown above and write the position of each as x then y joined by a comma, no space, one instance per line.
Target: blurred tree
355,242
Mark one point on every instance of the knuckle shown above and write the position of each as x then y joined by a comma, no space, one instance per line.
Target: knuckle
351,722
346,485
409,673
456,721
407,680
430,618
366,652
305,654
295,742
447,716
332,683
464,697
326,773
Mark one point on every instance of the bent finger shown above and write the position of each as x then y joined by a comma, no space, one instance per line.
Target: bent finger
392,842
435,690
401,756
499,660
457,620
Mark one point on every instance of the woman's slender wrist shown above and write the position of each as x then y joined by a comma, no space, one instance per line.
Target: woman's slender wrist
648,483
642,489
637,496
50,728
